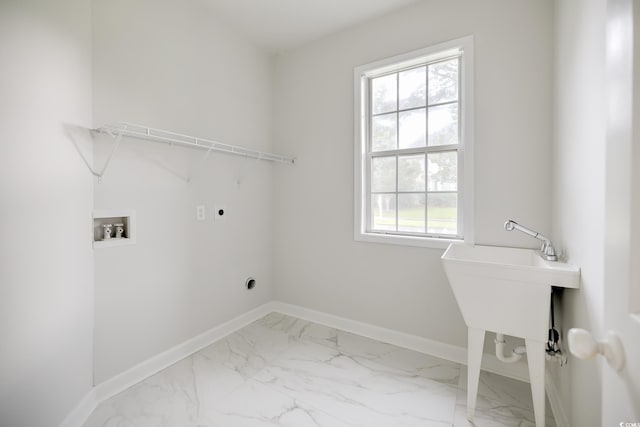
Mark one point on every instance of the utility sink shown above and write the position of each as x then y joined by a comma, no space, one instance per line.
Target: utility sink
507,291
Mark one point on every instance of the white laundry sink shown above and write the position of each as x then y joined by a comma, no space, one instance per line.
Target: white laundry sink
507,291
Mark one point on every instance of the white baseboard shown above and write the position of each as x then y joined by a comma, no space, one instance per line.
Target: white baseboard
151,366
82,411
490,362
555,401
167,358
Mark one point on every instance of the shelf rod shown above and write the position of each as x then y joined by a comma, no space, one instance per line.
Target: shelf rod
145,132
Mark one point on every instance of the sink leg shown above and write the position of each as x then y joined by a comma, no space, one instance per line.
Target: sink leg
536,359
474,359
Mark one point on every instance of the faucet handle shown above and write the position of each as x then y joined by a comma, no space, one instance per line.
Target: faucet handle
549,252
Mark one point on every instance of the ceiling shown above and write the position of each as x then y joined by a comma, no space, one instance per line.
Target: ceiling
284,24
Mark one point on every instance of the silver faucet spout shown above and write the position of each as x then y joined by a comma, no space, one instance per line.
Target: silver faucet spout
512,225
547,251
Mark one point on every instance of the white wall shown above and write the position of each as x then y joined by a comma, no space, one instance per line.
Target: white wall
46,264
579,188
317,262
173,65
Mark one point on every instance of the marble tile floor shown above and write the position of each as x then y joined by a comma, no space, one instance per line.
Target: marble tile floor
283,371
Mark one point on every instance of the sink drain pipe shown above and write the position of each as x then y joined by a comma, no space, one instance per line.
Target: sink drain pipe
515,355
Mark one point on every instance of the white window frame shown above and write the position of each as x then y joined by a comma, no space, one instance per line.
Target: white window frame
462,47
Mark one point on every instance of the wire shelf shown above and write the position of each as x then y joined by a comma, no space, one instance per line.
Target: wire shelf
152,134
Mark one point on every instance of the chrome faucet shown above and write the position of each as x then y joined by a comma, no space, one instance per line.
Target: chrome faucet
547,251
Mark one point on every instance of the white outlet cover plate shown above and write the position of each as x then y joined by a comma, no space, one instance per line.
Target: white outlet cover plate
201,213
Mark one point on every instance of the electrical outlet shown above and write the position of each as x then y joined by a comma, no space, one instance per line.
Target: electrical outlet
201,214
220,213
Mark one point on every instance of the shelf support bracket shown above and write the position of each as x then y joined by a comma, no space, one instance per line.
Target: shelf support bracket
71,132
116,143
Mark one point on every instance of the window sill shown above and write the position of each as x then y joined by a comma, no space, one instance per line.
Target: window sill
423,242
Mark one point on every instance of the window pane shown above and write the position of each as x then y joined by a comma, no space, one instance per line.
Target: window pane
413,86
384,94
442,213
443,81
413,128
411,173
383,174
411,212
384,211
443,171
384,132
443,124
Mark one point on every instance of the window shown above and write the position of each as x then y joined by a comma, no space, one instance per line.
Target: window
413,147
